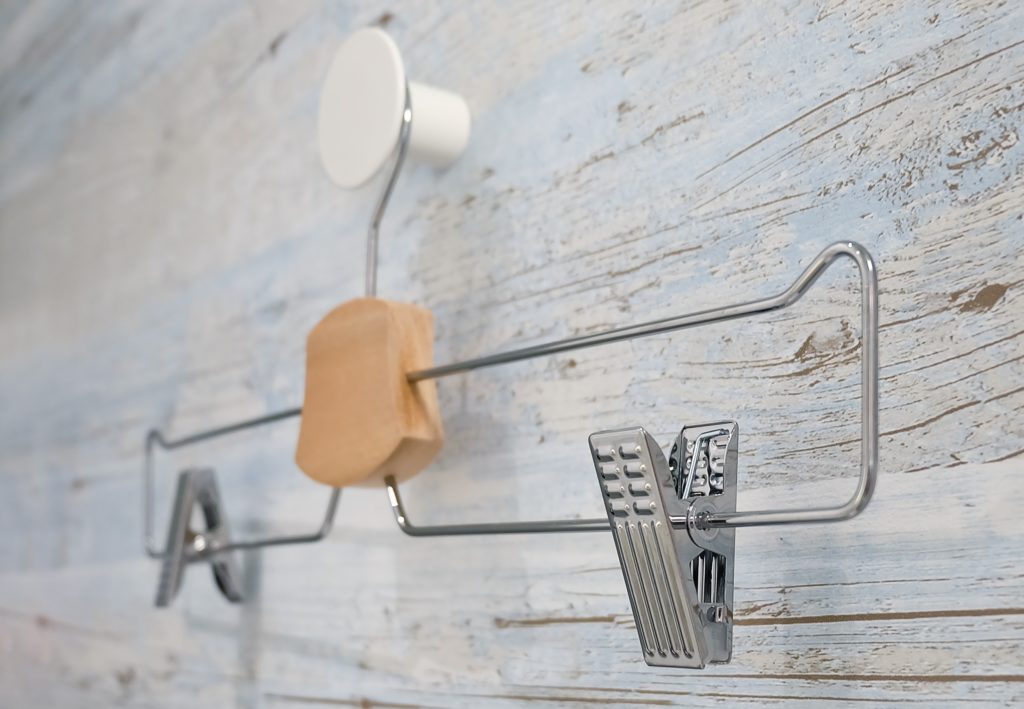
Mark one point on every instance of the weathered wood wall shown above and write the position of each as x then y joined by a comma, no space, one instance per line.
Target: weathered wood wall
168,237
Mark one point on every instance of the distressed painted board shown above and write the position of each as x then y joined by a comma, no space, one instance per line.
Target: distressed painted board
167,238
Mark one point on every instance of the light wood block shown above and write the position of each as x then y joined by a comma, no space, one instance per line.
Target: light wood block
361,419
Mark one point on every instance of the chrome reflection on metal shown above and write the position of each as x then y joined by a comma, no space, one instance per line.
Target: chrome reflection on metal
679,580
185,545
454,530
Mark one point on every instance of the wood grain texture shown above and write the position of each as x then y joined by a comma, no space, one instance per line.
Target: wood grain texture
362,420
167,239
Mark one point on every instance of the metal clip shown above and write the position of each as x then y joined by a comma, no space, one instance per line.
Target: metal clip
679,579
184,545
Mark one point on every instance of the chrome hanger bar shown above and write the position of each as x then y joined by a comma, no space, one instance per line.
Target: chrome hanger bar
458,530
657,327
868,402
706,520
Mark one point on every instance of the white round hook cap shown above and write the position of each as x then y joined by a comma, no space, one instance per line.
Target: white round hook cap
361,106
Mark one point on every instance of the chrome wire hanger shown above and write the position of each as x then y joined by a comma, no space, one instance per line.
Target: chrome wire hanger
672,518
869,402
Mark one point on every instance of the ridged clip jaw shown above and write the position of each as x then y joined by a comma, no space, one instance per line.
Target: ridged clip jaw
679,578
185,545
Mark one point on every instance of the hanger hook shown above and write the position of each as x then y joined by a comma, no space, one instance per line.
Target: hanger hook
373,233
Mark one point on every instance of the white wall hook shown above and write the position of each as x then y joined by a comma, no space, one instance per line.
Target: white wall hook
361,106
